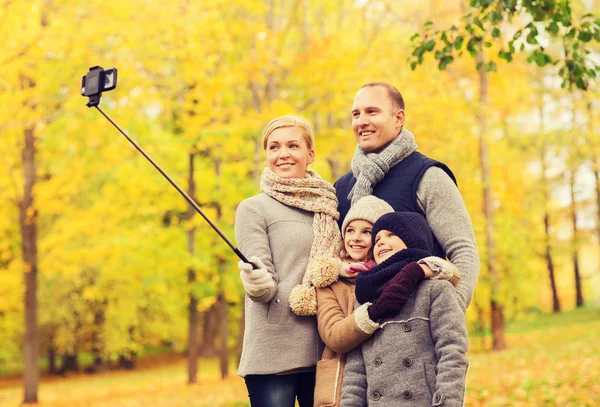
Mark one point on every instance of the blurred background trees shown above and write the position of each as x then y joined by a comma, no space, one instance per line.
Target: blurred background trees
107,261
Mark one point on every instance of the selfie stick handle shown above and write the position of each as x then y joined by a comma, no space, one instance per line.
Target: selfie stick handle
181,191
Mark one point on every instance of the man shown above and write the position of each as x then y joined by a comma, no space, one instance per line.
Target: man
387,165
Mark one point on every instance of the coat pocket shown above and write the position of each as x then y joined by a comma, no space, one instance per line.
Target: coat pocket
274,312
327,382
430,376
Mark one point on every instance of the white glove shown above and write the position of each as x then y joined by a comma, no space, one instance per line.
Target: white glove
255,281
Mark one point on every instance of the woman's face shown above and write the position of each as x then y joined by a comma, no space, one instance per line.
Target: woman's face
357,239
287,153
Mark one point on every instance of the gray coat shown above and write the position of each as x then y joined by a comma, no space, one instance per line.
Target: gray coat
417,358
275,339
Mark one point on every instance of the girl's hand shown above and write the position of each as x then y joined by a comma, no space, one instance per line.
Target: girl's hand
351,270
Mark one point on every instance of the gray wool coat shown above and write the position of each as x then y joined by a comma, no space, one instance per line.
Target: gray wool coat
417,358
276,341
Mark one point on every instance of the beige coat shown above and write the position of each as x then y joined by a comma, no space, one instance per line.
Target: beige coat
342,331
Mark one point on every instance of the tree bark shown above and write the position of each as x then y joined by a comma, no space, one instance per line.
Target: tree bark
546,198
28,226
192,349
575,245
595,146
497,317
223,329
210,330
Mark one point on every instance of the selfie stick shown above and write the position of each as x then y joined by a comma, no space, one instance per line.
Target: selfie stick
181,191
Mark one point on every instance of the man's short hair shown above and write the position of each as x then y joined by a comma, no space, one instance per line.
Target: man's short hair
393,93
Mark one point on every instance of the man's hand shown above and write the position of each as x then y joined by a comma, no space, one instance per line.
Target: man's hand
255,281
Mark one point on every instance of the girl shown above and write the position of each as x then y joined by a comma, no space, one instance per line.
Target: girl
340,328
417,357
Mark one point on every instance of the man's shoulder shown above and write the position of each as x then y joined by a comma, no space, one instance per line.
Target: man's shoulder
347,177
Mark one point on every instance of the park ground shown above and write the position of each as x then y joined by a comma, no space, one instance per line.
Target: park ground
552,360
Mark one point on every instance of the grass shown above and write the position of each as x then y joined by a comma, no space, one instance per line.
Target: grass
552,360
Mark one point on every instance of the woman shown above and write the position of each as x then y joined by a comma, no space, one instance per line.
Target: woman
284,229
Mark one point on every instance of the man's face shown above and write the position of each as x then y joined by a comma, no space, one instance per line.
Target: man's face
374,121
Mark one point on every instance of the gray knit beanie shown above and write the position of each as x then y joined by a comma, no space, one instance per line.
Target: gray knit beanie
368,208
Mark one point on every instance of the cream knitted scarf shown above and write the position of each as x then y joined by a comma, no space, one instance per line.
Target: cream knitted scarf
316,195
370,168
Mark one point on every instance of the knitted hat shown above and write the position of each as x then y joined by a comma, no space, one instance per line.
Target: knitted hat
411,227
369,208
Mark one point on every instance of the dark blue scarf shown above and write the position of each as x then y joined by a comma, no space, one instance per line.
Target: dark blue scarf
368,282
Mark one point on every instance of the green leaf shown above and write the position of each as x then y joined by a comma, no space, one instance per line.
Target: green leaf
491,67
541,59
414,36
429,45
413,65
428,23
553,28
531,37
496,32
585,36
459,41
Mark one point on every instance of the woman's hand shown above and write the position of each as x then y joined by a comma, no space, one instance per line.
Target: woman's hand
255,281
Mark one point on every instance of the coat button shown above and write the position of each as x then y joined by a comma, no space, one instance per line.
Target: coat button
407,362
376,396
406,327
277,300
437,398
377,362
407,394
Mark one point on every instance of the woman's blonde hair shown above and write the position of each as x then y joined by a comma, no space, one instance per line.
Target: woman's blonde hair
290,121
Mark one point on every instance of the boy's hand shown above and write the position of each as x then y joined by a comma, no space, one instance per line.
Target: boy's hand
392,296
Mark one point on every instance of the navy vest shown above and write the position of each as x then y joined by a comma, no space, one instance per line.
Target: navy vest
398,188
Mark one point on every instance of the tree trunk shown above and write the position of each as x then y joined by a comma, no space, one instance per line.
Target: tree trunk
335,166
497,317
192,349
221,301
546,198
52,359
210,329
595,147
28,225
223,330
70,363
575,244
240,339
550,265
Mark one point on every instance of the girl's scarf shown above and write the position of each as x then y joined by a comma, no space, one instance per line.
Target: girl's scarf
316,195
368,282
370,168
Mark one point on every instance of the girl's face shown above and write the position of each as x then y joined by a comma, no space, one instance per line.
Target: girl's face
386,244
357,239
287,153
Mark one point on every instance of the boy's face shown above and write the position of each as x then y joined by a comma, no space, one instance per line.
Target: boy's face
357,239
386,244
